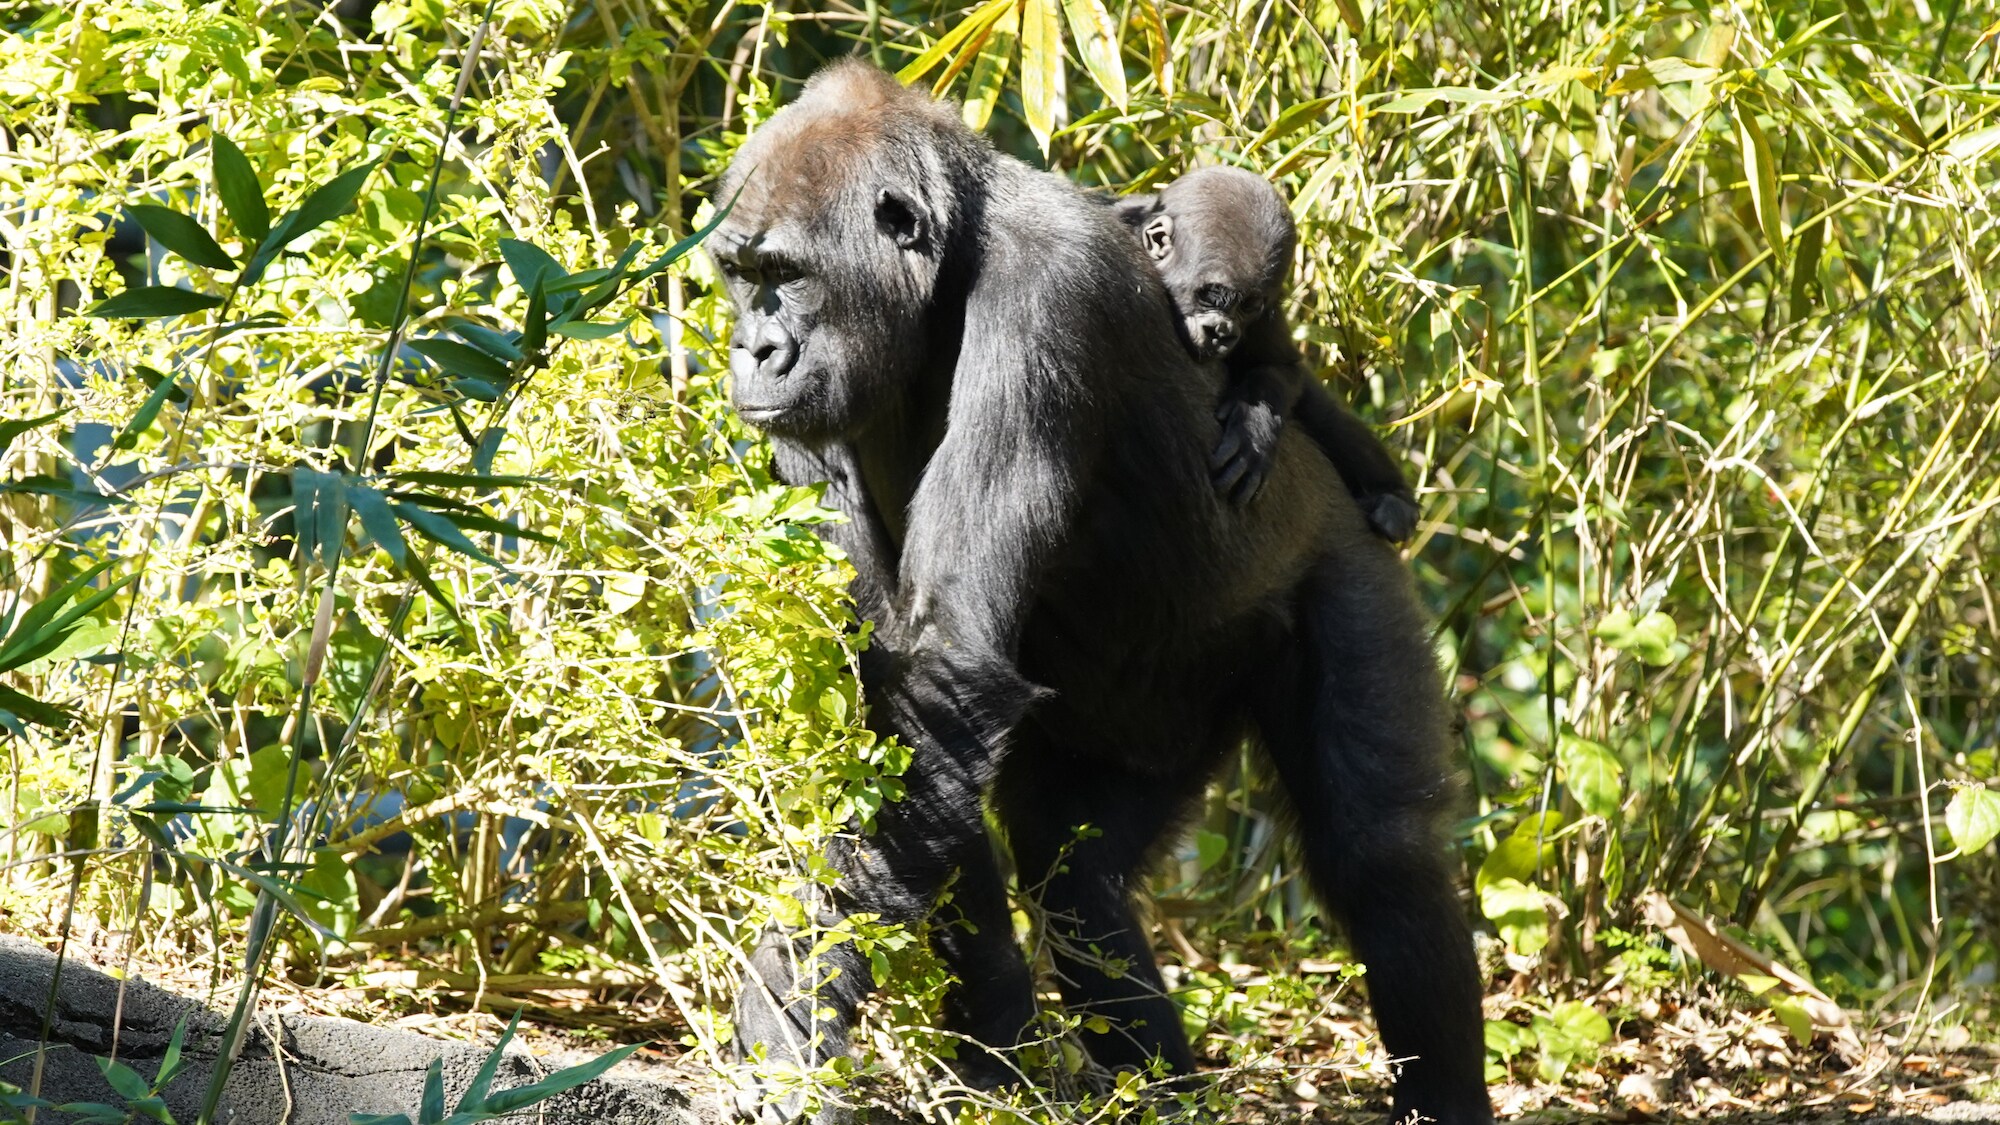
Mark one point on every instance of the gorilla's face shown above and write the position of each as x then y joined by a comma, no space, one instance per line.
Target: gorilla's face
831,277
1215,313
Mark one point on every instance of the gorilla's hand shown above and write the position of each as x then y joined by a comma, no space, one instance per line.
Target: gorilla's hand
1249,442
1392,515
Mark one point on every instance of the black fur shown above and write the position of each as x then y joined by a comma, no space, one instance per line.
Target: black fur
1070,623
1223,239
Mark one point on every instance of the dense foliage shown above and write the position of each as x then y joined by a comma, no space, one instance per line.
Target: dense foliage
386,577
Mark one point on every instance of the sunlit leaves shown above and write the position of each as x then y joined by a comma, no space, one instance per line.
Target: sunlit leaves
1592,774
1650,638
1973,817
1761,170
1041,67
1096,39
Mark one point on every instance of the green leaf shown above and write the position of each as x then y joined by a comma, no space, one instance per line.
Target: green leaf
1096,37
461,359
282,893
150,301
1651,638
462,480
535,326
170,1063
180,234
495,344
319,513
15,427
1805,268
679,249
1041,68
236,182
507,1101
122,1078
443,531
379,523
531,266
474,1097
378,1119
1593,775
31,710
430,1110
321,207
42,625
163,389
1522,853
588,330
1973,818
1519,912
1762,172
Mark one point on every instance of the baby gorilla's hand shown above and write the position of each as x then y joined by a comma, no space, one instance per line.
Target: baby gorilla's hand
1392,515
1242,458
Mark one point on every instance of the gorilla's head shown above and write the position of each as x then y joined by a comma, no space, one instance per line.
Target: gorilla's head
1222,239
852,202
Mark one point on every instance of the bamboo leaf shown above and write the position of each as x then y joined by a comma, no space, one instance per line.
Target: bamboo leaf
1158,43
163,389
461,359
474,1097
325,204
530,264
1041,68
989,74
499,345
180,234
1762,173
379,523
507,1101
1805,268
14,427
953,39
1096,39
236,182
31,710
152,300
441,530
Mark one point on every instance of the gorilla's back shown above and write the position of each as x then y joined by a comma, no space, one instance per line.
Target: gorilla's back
1164,591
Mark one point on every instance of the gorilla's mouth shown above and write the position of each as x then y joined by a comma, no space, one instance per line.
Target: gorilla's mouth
759,415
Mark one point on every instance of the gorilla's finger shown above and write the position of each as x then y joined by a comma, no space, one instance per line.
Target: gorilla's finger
1226,477
1227,449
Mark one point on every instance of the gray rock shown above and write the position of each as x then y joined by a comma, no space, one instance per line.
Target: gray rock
293,1070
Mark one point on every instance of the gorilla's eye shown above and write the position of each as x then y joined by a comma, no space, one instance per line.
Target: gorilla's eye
779,271
1218,297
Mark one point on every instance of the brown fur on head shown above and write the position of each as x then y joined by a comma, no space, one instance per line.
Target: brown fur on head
1223,240
849,207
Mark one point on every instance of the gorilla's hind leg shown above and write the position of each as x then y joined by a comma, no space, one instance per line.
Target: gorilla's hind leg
1078,846
1357,730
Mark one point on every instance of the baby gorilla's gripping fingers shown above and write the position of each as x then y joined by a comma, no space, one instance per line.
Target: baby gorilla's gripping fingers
1243,454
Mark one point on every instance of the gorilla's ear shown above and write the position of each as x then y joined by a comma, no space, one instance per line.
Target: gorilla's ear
896,213
1158,236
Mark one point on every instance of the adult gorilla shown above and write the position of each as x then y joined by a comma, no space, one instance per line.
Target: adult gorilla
979,361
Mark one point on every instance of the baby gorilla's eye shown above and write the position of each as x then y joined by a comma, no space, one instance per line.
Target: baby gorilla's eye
1217,297
777,271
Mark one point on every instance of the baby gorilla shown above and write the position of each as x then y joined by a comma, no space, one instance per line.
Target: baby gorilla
1223,239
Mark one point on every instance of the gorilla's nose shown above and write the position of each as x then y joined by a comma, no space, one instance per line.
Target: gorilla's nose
774,351
1218,337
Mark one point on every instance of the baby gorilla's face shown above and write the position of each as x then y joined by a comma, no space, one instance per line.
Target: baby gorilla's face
1215,313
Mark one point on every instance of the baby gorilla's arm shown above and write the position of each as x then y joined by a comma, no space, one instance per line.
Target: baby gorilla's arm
1266,376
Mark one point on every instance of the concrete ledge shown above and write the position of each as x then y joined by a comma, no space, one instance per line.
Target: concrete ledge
321,1069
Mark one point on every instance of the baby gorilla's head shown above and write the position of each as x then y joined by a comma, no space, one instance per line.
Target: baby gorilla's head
1222,239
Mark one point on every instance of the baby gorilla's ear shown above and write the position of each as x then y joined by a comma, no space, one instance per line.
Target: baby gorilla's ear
1158,236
